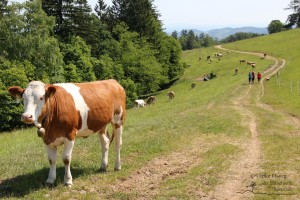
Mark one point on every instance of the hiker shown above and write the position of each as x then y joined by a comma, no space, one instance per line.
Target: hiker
253,76
250,77
258,76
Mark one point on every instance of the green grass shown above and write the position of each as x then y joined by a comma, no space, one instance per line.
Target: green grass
203,114
281,45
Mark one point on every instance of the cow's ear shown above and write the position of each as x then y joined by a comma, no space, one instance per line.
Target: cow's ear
16,91
50,91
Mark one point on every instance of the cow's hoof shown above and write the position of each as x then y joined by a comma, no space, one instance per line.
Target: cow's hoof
117,169
49,185
68,185
102,170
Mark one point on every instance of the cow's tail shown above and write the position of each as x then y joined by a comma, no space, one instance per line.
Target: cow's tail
110,138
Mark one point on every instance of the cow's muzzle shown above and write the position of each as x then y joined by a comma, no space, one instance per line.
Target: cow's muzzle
27,118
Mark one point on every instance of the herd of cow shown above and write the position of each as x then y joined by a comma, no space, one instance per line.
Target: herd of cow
64,111
150,100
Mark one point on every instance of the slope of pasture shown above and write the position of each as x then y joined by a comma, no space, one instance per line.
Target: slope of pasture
197,118
278,90
179,149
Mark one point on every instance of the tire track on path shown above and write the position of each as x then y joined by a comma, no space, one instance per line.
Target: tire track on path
238,179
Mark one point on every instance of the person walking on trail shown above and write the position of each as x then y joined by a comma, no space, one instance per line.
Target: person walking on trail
253,76
250,77
258,76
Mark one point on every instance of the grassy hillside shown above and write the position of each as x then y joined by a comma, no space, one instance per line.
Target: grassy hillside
178,149
283,90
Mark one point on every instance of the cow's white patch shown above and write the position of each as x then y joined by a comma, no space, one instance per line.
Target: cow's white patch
80,104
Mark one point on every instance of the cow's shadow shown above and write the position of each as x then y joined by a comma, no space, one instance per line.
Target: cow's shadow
23,185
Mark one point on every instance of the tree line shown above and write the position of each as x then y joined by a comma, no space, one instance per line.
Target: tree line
66,41
189,40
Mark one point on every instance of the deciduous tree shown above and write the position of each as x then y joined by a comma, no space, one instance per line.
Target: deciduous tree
294,18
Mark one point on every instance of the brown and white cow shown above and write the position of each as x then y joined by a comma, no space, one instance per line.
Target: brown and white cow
151,100
64,111
171,95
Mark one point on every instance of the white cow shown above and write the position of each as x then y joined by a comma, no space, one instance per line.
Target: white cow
138,103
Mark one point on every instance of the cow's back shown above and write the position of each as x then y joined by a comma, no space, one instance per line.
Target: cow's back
104,99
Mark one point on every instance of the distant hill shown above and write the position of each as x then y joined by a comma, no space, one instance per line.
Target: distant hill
224,32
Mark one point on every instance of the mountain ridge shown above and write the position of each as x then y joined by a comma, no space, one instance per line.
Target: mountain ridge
225,32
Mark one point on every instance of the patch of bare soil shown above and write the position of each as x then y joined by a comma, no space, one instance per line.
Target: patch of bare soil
145,182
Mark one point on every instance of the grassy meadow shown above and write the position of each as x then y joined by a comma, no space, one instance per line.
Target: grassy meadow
282,45
201,123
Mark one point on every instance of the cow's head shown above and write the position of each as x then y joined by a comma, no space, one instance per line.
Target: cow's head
34,97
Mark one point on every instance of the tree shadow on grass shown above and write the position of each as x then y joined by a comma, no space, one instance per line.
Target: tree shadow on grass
23,185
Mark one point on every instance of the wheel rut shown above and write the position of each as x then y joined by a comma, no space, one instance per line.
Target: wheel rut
238,183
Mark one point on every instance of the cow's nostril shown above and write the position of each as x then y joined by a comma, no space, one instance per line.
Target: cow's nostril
26,117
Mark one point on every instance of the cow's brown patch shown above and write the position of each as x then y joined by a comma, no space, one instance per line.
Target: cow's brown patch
103,100
61,116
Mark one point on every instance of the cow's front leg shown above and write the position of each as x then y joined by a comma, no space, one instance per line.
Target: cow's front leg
104,141
52,152
67,154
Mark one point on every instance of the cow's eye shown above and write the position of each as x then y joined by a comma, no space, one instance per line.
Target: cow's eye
41,98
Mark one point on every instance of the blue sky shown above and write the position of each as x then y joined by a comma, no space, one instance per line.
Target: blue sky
211,14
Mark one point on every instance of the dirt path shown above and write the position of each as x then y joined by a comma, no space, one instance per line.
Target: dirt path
146,181
237,181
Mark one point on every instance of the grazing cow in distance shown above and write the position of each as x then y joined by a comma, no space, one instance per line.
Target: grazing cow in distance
236,70
193,85
242,61
251,63
64,111
139,102
151,100
171,95
208,57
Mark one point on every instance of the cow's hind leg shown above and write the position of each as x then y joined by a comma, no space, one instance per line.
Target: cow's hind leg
67,154
104,142
52,154
118,144
117,124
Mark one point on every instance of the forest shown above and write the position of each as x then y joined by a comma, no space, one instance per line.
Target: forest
68,41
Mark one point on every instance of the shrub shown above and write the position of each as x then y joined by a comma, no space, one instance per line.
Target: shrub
10,112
